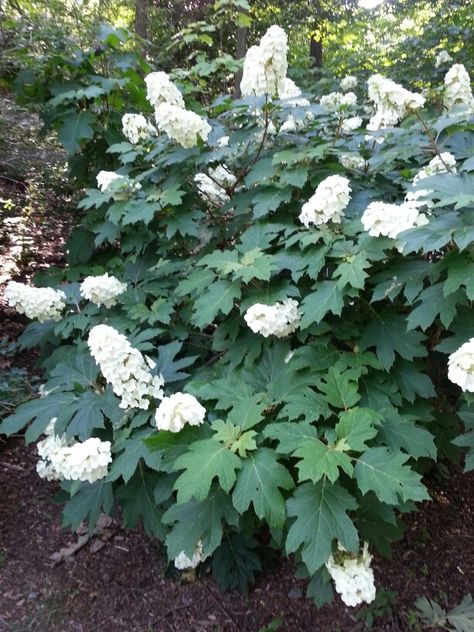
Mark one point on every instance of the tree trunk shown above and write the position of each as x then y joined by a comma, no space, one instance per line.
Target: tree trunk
316,52
240,50
141,18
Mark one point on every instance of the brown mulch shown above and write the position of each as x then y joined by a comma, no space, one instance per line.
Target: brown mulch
122,586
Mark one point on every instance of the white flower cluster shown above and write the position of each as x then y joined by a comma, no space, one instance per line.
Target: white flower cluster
291,93
352,161
348,83
183,126
461,366
182,561
160,89
439,164
212,187
353,577
278,320
389,220
443,57
102,290
43,303
265,65
392,102
177,410
350,124
328,202
457,91
76,461
335,101
124,367
119,186
136,128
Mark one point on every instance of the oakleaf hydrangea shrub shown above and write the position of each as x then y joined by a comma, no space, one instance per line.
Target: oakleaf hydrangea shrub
275,339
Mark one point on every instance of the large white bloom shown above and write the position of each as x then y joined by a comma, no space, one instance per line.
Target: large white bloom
177,410
160,89
439,164
461,366
350,124
353,577
277,320
136,128
392,102
212,187
291,93
102,290
265,65
457,91
42,303
124,367
328,202
181,125
443,57
182,561
348,83
389,220
77,461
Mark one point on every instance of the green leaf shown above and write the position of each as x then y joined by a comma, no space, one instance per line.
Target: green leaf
356,427
321,517
248,412
377,523
138,502
328,297
352,272
92,410
466,440
258,483
204,461
269,199
386,331
397,433
433,302
384,472
460,272
131,451
306,403
235,563
319,459
87,505
219,297
41,411
340,390
290,435
74,128
193,521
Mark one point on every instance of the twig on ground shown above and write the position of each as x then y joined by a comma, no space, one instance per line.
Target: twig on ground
171,610
223,608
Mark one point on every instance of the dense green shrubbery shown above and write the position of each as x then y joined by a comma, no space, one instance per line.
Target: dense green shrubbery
311,439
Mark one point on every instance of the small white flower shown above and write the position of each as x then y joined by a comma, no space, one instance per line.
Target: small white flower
182,561
277,320
461,366
457,91
328,202
443,57
439,164
212,187
177,410
352,161
42,303
136,128
102,290
353,577
350,124
348,83
119,186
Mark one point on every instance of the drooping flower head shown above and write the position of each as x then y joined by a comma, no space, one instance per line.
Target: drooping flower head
102,290
457,91
265,65
392,102
183,126
136,128
389,220
160,89
41,303
353,577
124,368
